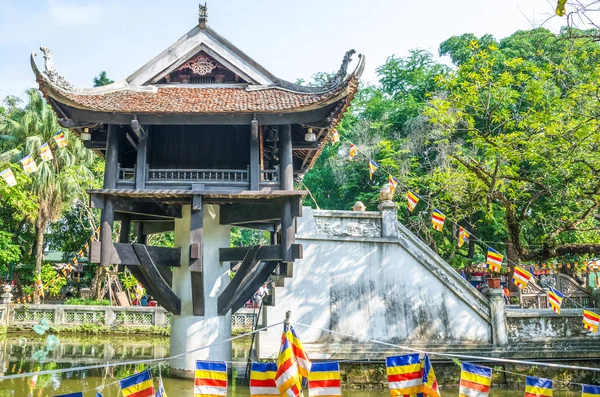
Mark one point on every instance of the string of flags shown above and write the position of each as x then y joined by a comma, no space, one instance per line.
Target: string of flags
66,271
407,375
28,162
494,259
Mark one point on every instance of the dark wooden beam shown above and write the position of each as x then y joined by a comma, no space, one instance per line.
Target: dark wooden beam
164,294
129,206
139,276
257,276
110,182
265,253
123,254
303,145
157,227
228,296
95,144
237,214
140,165
267,227
254,169
288,233
286,166
197,260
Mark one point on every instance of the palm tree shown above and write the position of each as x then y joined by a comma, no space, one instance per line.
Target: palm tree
57,184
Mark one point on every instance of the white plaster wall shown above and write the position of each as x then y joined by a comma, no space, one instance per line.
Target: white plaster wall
189,332
373,288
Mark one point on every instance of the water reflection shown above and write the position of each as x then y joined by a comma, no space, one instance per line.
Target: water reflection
74,351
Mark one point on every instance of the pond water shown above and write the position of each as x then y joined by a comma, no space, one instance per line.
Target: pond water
21,354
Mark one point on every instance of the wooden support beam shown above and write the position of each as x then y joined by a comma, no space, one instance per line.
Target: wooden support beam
228,296
140,165
95,144
257,276
303,145
164,294
267,227
157,227
265,253
288,234
237,214
254,170
139,276
286,167
129,206
197,260
110,182
123,254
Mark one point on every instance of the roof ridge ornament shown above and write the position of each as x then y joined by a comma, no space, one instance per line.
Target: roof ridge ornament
51,72
339,77
202,15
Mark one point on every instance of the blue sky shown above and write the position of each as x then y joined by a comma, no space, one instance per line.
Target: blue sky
292,39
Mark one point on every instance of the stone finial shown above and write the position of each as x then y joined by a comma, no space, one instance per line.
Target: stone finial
359,206
386,193
202,15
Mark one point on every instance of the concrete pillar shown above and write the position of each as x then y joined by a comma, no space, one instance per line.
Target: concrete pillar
389,219
497,309
189,332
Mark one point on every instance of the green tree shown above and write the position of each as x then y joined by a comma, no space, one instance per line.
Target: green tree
57,184
102,79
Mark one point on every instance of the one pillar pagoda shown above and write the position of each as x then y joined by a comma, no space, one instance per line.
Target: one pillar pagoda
198,139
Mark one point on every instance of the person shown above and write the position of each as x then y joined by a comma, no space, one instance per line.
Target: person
144,300
152,302
507,296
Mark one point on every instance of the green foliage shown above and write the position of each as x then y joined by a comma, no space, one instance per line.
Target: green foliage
87,302
241,237
102,79
52,280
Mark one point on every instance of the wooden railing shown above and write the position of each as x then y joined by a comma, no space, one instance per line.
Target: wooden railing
269,175
156,175
126,174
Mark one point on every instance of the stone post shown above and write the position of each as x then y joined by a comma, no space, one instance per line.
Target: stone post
6,300
389,219
497,309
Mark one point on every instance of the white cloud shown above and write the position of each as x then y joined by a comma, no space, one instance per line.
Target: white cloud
66,13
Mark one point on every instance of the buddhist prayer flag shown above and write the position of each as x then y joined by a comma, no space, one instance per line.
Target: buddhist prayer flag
160,392
430,385
98,394
138,385
353,150
45,152
262,380
590,320
437,220
335,137
211,379
40,286
413,200
494,260
393,183
590,391
555,299
521,277
78,394
538,387
405,375
29,164
475,380
324,380
9,177
292,364
60,139
373,166
463,236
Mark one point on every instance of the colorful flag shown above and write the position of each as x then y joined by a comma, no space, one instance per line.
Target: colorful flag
413,200
405,375
590,320
494,260
138,385
292,364
45,152
29,164
211,378
538,387
98,394
393,183
161,389
60,139
335,137
78,394
555,299
475,380
40,286
9,177
353,150
463,236
590,391
262,380
373,166
324,380
430,385
521,277
437,220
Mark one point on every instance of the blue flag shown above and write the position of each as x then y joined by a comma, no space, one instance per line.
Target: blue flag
463,275
161,389
98,394
78,394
